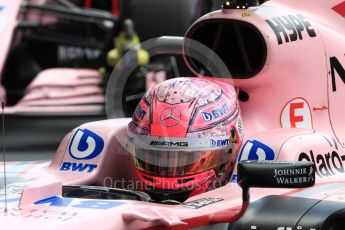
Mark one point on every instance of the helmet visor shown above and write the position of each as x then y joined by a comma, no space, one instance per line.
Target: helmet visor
179,163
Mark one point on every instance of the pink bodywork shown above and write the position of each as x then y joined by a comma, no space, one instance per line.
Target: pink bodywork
57,90
293,110
63,90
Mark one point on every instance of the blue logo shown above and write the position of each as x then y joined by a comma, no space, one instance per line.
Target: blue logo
77,167
215,113
206,116
56,201
233,179
1,7
255,150
218,143
85,145
140,112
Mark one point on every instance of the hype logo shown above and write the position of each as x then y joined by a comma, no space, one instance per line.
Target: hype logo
85,145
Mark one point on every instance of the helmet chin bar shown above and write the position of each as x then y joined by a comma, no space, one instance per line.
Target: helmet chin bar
267,174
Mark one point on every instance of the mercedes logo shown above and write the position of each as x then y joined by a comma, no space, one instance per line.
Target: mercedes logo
170,117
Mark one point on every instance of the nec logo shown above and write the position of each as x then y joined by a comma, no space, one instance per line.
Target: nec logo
169,143
218,143
215,113
336,67
85,145
290,27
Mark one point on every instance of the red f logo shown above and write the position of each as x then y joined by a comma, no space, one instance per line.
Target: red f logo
296,114
293,117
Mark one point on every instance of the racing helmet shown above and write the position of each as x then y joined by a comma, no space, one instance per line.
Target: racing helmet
184,138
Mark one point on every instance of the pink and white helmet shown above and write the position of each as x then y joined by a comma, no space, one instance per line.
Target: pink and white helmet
184,138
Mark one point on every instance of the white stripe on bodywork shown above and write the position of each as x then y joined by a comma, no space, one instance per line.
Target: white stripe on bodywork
319,189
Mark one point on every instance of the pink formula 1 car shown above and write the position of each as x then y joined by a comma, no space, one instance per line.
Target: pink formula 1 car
274,127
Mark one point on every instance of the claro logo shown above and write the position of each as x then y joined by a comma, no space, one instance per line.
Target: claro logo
326,165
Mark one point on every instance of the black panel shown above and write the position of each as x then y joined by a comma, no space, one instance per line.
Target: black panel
275,212
154,18
40,132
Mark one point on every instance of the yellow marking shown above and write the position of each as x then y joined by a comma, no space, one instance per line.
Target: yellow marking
246,14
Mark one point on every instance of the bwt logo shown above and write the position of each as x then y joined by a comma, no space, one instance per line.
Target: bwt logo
85,145
77,167
215,143
215,113
255,150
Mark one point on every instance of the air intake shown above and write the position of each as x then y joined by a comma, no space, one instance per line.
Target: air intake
239,44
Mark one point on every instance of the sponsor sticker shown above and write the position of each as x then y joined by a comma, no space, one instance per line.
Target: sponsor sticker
77,167
38,213
170,117
255,150
196,204
337,69
215,113
293,176
219,143
57,201
169,143
326,165
291,27
208,116
85,145
140,113
296,114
